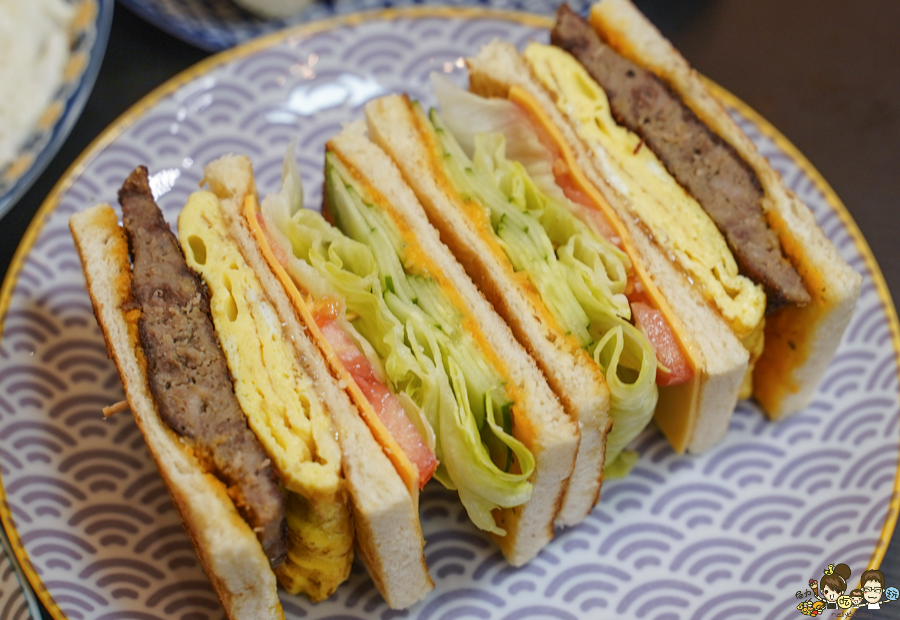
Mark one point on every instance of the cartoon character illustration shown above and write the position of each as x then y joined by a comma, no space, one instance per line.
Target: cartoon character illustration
830,592
834,584
872,582
811,608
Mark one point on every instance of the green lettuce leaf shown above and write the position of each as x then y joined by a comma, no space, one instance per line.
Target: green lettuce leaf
580,276
407,321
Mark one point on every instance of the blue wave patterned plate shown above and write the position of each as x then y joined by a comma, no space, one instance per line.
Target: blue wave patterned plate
91,25
216,25
732,533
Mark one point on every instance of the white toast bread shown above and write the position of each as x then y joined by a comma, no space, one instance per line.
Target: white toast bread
385,515
570,371
226,545
538,421
799,342
719,355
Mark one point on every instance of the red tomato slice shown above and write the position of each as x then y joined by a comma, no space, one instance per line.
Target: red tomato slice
654,325
385,403
563,177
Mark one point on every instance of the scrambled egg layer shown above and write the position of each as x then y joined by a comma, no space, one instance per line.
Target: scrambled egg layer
320,547
675,219
279,402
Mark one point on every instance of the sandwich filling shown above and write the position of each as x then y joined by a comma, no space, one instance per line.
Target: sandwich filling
187,372
279,401
672,216
581,278
413,328
397,423
705,165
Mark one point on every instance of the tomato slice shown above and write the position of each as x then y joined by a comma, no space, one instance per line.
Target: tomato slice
668,353
385,403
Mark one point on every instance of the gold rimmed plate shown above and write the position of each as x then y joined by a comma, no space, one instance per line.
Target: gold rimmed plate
742,527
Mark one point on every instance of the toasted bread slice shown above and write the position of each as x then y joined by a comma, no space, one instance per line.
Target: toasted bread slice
538,419
570,371
385,514
696,421
227,547
799,342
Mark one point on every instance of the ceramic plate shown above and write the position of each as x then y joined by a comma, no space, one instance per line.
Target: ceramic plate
215,25
736,531
93,19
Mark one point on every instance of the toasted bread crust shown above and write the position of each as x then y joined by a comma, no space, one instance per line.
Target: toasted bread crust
799,341
385,515
226,546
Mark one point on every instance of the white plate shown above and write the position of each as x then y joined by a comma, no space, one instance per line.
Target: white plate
92,23
735,532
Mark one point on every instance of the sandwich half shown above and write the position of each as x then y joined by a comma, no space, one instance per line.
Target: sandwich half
226,545
385,512
620,83
259,458
408,316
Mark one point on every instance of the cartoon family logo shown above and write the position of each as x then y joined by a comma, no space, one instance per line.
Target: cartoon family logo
830,593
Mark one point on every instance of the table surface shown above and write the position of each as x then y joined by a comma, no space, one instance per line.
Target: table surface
826,73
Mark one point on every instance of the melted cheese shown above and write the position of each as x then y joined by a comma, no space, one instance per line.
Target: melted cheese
674,218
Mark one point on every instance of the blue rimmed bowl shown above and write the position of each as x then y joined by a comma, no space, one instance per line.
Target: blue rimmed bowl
215,25
92,22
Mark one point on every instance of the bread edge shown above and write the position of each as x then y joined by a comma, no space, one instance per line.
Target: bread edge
539,421
227,547
832,283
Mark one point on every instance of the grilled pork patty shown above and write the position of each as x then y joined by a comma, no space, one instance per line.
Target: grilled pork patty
188,375
704,164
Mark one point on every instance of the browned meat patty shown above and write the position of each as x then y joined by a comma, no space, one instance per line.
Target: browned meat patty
705,165
188,375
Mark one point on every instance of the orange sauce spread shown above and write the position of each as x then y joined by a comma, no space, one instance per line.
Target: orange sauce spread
789,331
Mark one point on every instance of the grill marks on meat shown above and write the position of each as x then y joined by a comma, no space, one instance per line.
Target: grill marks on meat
188,375
705,165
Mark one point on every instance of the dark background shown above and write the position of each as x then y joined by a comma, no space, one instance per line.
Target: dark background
826,73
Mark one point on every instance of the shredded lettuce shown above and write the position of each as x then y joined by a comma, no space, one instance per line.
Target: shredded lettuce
458,400
580,276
